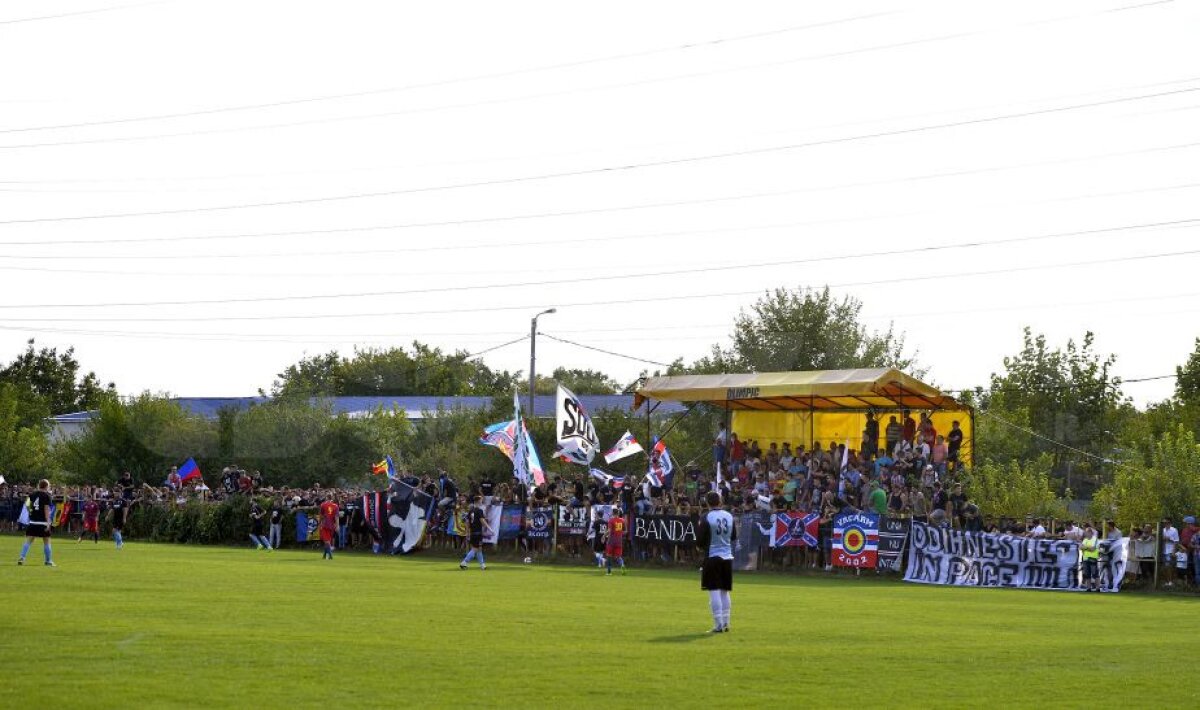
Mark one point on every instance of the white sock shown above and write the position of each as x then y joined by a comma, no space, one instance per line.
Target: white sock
717,606
726,607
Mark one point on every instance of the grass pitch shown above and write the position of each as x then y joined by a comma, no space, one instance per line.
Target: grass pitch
175,626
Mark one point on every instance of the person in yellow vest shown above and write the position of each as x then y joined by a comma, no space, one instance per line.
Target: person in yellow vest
1090,547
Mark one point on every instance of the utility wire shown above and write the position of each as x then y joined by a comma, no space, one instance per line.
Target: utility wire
671,272
508,245
564,92
451,81
77,13
626,301
571,213
606,352
612,169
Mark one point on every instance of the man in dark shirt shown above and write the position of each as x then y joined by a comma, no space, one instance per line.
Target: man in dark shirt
954,441
118,509
39,522
476,523
487,489
126,485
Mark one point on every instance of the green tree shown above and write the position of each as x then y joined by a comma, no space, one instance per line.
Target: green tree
53,381
24,454
1015,489
1065,396
1187,379
1168,484
375,372
144,436
805,329
578,381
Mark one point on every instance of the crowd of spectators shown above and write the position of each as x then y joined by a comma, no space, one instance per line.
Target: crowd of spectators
915,474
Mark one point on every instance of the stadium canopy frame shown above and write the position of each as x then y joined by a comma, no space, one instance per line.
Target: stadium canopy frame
830,404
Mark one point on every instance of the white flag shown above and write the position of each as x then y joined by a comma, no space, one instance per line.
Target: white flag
577,440
625,446
1,480
521,446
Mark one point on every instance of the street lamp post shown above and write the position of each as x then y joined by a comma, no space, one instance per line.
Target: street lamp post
533,353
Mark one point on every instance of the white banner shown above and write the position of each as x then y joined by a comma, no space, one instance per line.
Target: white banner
577,440
976,559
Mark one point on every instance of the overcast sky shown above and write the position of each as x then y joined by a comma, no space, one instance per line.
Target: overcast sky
196,194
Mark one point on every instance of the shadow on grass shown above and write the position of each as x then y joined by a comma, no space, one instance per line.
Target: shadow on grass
681,638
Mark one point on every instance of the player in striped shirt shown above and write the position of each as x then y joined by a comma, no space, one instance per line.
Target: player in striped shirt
717,533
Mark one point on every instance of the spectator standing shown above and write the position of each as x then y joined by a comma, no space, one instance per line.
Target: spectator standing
1170,540
954,442
276,536
126,485
870,438
720,444
909,431
173,481
1090,550
1186,538
892,434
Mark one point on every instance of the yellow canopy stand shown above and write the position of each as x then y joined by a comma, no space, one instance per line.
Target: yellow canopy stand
826,406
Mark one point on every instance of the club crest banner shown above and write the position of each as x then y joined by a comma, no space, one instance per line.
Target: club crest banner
856,540
541,523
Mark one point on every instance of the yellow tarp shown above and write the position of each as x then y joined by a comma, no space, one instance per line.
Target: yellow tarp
834,428
879,388
826,405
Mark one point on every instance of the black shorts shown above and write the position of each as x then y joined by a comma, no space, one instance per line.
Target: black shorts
1091,570
37,531
256,529
476,541
717,573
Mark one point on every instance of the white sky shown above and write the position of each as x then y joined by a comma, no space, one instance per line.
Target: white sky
447,94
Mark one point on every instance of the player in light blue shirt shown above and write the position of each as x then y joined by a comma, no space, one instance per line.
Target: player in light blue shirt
717,533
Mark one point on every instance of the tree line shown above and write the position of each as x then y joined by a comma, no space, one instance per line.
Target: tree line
1053,421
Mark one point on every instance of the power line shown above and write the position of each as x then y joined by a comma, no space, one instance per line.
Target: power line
77,13
572,213
493,244
447,82
653,274
611,169
606,352
564,92
627,301
658,144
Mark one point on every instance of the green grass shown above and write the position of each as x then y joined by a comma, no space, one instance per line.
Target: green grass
174,626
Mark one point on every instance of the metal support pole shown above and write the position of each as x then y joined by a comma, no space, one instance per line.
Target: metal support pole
533,355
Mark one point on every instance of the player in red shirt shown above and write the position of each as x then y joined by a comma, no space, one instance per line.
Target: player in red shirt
91,521
616,541
329,525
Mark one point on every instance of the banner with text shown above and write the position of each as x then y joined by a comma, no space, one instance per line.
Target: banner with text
893,536
975,559
665,529
572,521
855,540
